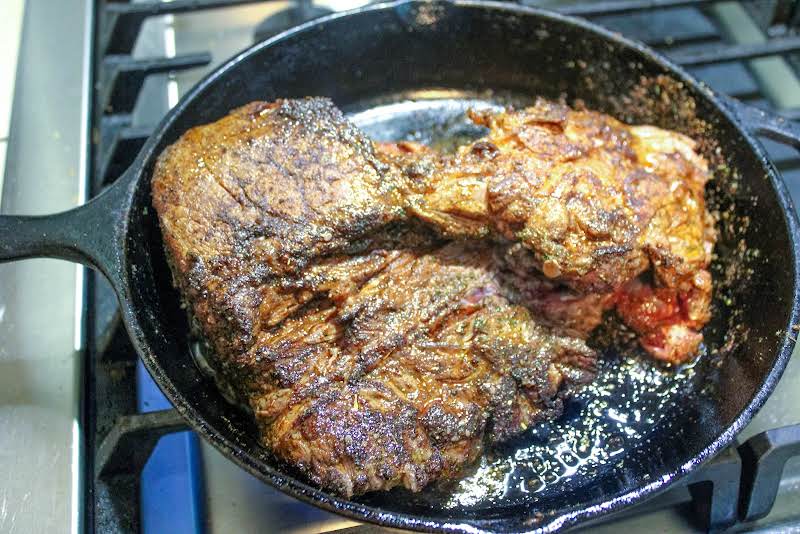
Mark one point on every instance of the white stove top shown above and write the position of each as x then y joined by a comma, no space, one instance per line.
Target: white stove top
39,304
11,13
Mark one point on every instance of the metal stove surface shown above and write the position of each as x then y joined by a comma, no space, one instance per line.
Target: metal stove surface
40,300
41,326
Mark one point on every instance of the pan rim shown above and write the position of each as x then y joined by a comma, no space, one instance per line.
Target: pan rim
317,496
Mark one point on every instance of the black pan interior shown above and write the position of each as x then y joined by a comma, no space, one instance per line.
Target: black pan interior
404,70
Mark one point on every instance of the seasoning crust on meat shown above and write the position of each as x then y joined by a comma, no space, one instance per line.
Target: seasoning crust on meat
388,312
594,201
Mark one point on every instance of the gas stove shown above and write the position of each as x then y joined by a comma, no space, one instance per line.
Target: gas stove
90,444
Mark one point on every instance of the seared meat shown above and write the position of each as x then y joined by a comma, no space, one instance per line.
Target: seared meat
667,321
374,352
256,196
371,354
592,198
403,380
595,201
294,178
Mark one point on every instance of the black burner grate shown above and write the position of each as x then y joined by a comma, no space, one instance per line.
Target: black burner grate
739,485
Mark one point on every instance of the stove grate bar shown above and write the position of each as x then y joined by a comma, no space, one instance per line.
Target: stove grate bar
120,151
695,56
130,441
123,77
715,490
773,17
620,7
124,20
712,492
764,456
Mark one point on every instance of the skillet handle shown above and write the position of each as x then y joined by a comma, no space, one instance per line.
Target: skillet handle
91,234
766,123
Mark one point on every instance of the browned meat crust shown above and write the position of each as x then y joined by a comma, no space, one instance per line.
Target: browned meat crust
373,352
596,203
415,371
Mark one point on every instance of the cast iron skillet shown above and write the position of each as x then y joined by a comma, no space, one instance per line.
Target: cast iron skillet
399,69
